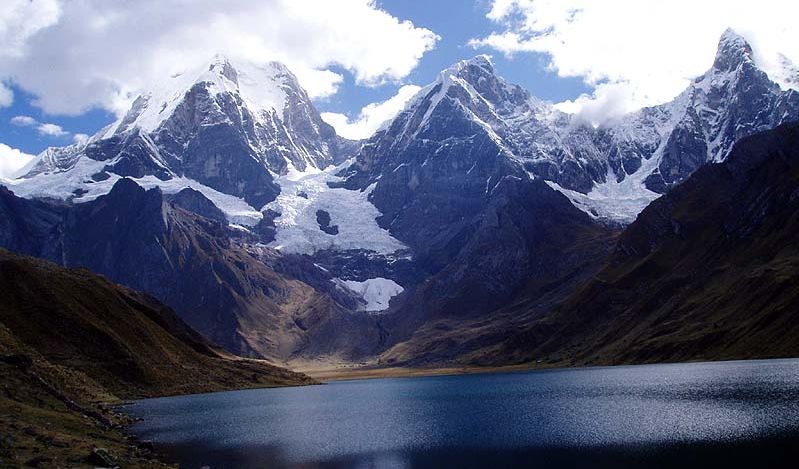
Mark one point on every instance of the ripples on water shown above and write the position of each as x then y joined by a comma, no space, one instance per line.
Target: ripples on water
731,414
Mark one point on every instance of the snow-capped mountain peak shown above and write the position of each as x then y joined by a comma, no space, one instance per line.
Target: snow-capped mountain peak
261,87
228,124
664,144
471,118
733,49
481,61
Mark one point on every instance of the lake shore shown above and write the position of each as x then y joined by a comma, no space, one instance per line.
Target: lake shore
348,372
330,372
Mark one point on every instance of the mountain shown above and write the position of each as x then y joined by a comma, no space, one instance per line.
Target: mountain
462,176
204,222
446,180
234,293
471,118
656,148
71,343
477,208
225,127
706,272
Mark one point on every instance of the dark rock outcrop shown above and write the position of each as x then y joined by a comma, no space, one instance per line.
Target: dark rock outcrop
194,201
323,219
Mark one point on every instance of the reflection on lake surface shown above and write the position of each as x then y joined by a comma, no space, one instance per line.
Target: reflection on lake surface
688,415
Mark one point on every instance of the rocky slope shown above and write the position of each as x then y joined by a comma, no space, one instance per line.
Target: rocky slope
72,342
706,272
127,342
230,291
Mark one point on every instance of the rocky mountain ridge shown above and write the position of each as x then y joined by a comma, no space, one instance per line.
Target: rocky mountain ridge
470,123
228,128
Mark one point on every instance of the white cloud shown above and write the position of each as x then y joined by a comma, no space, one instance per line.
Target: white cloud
637,52
23,121
100,53
19,20
12,160
80,138
43,128
372,116
51,130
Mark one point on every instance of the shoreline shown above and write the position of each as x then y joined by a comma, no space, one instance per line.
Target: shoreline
330,374
342,373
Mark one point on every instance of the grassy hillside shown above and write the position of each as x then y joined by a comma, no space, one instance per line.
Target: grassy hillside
71,343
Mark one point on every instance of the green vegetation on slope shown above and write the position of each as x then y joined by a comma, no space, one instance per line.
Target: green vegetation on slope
71,343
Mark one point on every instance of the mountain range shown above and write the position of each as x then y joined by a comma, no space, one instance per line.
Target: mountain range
475,227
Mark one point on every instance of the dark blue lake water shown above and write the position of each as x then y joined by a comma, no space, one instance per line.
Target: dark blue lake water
732,414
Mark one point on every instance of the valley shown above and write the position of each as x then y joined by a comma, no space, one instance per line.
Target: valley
220,235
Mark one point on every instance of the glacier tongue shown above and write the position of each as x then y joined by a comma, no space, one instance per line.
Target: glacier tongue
304,194
612,201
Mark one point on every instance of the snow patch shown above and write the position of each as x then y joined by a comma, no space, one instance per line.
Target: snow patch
375,292
76,184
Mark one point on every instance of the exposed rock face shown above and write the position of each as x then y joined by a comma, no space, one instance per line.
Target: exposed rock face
194,201
323,218
29,226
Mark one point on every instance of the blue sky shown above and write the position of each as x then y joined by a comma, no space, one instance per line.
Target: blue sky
30,140
70,66
456,22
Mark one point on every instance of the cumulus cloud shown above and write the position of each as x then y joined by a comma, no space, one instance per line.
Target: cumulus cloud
12,160
372,116
80,138
102,54
636,53
42,128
